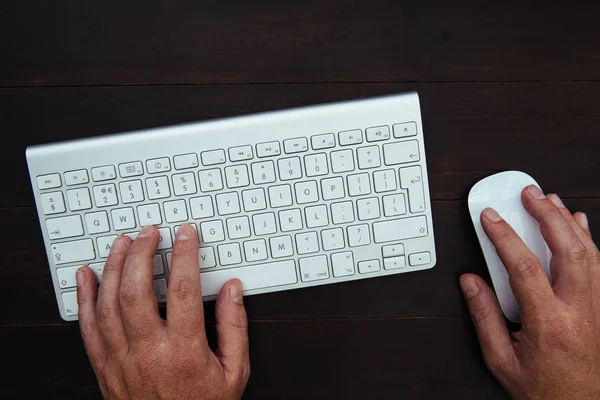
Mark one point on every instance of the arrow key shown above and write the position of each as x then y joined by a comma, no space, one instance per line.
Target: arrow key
419,258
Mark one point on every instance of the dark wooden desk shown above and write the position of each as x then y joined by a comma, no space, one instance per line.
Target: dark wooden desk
506,86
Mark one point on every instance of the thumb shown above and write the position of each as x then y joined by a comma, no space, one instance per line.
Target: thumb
232,331
492,331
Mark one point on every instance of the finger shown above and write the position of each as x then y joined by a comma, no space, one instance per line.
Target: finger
582,221
138,302
528,280
185,310
108,309
88,323
491,327
232,331
568,252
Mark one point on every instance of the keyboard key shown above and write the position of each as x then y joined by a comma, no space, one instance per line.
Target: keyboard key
281,246
255,250
254,199
104,173
240,153
97,222
105,195
412,180
252,277
159,268
316,164
368,157
289,168
394,205
158,188
70,304
184,184
400,229
290,220
76,177
263,172
185,161
332,188
49,181
385,181
405,129
332,239
52,203
134,168
165,241
70,252
358,235
238,227
378,133
157,165
314,268
350,137
201,207
159,287
149,214
324,141
175,211
228,203
212,231
297,145
264,224
393,250
105,244
306,192
419,258
343,212
237,176
98,268
268,149
307,243
66,277
342,264
131,192
64,227
359,184
394,262
401,152
316,216
210,180
229,254
342,161
368,208
366,267
79,199
280,196
212,157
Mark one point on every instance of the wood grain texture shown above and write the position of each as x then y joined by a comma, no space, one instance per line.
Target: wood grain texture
547,130
309,359
190,42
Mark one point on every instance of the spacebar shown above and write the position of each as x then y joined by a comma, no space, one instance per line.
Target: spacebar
253,277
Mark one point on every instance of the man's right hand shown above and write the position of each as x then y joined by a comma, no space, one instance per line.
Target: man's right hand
556,355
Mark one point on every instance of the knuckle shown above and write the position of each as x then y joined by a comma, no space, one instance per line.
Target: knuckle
528,265
184,288
130,294
577,252
106,311
496,364
481,314
185,365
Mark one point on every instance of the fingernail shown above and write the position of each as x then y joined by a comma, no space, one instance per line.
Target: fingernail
491,215
236,293
556,200
535,192
118,244
146,231
469,287
583,220
79,277
184,232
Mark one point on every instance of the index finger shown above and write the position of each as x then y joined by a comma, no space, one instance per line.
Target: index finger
528,280
185,309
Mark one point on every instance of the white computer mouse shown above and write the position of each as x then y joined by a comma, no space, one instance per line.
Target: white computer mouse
502,192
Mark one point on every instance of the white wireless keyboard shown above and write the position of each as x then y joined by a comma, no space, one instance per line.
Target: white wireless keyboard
282,200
